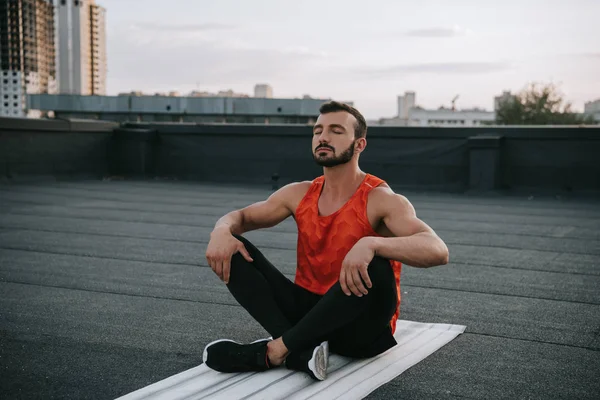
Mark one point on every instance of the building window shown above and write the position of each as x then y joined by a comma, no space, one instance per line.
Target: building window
14,74
6,82
15,96
15,81
6,96
63,2
16,104
5,104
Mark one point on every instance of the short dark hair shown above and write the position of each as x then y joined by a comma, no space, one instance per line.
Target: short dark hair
360,128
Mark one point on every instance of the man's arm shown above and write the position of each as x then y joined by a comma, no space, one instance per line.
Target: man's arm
262,214
223,245
412,241
407,239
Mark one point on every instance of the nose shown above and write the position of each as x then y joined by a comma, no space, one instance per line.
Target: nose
324,137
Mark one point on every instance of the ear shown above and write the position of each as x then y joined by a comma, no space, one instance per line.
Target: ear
360,145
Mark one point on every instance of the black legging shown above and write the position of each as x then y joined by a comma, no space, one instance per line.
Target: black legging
354,326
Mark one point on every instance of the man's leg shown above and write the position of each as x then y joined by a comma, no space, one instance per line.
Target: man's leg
272,300
354,326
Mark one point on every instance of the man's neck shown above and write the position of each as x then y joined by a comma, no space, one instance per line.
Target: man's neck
342,181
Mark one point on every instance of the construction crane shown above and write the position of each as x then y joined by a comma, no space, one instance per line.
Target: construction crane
454,102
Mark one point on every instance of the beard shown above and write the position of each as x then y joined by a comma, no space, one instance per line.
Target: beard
332,161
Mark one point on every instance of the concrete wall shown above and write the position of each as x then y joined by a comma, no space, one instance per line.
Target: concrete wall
553,159
546,158
43,148
253,154
561,159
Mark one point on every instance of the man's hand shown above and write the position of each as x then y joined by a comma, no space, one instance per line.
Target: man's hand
354,267
221,247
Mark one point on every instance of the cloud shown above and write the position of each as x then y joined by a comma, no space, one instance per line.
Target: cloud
178,59
590,55
438,32
157,26
435,68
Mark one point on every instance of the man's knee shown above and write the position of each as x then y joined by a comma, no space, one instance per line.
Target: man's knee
241,238
247,244
381,266
237,259
381,272
381,275
240,268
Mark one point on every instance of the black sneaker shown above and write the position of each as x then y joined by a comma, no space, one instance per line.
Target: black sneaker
312,361
228,356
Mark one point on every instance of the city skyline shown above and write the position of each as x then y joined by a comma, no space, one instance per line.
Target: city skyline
49,47
367,55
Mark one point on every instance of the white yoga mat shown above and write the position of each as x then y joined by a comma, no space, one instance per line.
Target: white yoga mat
347,379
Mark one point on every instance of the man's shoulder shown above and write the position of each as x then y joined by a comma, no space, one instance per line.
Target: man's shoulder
294,192
299,186
383,197
381,192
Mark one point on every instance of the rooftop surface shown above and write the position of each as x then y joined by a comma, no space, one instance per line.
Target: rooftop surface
104,289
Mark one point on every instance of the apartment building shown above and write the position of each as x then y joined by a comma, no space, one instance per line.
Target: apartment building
81,47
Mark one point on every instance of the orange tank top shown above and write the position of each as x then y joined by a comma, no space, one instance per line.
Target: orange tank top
324,241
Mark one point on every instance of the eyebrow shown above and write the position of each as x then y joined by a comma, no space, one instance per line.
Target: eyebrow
331,125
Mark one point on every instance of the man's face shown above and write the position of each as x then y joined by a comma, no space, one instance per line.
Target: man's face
333,139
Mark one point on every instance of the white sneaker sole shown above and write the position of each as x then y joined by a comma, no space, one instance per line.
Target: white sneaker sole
320,361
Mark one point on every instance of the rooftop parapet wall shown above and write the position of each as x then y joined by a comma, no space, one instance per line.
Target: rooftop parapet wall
456,159
34,148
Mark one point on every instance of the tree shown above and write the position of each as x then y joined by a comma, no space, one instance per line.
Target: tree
539,105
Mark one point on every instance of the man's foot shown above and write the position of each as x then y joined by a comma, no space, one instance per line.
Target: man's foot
228,356
312,361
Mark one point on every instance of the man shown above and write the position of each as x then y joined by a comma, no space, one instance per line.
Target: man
354,233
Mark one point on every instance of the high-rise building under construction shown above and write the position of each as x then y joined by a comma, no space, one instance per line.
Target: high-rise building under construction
27,53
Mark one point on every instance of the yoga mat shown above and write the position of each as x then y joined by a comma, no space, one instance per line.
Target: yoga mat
347,378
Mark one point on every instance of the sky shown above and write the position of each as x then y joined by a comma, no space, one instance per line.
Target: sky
367,52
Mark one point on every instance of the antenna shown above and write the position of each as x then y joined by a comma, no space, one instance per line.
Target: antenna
454,102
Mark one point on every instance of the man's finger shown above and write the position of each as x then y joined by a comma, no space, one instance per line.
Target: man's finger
219,269
364,273
352,285
226,270
244,252
343,284
358,282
